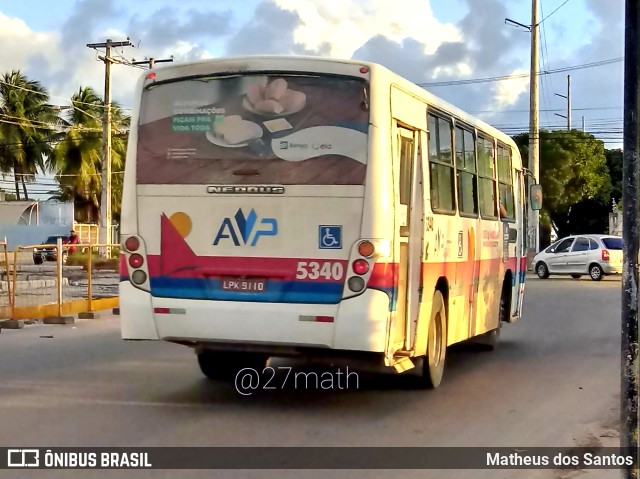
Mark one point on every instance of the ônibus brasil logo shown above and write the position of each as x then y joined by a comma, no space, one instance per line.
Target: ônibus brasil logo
244,232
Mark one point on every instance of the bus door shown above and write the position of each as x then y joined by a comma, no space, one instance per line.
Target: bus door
473,248
521,242
408,234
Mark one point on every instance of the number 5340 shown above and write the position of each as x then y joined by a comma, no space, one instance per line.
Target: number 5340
330,270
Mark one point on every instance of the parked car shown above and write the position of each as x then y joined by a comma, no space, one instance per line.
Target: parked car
50,253
577,255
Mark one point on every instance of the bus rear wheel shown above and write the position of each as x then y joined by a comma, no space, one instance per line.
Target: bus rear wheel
224,366
433,363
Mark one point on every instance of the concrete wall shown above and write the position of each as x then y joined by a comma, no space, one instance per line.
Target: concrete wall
18,212
21,224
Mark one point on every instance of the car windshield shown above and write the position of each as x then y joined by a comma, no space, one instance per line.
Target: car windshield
53,239
612,243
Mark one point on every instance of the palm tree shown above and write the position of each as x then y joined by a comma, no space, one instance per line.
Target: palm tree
26,127
77,157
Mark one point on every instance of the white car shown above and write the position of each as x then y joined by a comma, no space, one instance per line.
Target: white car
595,255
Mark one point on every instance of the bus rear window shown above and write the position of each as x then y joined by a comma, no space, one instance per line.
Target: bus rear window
612,243
254,129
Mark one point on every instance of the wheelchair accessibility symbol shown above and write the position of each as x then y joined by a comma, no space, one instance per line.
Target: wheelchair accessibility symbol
330,237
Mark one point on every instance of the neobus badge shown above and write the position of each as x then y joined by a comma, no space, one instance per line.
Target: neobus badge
255,189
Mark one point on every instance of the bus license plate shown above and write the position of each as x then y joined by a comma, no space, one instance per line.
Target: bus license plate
248,285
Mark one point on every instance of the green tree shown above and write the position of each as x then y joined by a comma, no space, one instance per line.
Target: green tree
77,157
26,127
573,169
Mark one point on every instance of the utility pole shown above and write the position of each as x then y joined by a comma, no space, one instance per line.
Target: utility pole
534,134
533,216
105,195
152,62
568,97
583,129
630,240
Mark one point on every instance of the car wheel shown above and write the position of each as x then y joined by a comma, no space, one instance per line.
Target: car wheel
576,276
595,271
224,366
37,260
542,271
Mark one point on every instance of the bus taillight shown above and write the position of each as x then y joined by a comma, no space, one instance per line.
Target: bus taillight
366,249
139,277
360,267
132,244
356,284
136,260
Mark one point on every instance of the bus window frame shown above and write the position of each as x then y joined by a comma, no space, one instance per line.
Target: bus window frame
509,150
492,141
465,128
451,121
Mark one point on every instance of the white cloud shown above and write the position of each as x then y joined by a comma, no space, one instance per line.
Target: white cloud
507,92
360,20
25,44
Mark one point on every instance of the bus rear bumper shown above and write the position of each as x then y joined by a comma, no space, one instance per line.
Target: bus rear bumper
356,324
136,313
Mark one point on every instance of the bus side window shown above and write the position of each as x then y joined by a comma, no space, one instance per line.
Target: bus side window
487,178
441,165
505,180
467,176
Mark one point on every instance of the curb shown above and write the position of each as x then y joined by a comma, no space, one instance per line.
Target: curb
59,320
12,324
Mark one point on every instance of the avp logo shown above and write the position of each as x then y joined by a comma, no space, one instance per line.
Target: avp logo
245,229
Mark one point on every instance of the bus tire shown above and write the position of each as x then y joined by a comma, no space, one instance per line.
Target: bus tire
223,366
433,363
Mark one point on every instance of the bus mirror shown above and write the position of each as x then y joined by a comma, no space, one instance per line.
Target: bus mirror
535,197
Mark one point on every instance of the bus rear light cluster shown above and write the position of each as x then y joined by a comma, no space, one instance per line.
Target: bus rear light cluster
361,267
136,260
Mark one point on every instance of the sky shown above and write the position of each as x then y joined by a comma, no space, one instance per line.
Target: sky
426,41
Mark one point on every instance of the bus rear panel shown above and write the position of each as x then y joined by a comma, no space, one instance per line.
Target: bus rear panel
249,194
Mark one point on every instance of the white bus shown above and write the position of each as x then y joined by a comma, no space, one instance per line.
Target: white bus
295,206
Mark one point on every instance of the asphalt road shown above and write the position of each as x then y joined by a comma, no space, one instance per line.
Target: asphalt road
553,381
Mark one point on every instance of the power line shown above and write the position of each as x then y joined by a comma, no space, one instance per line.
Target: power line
521,75
545,18
36,92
